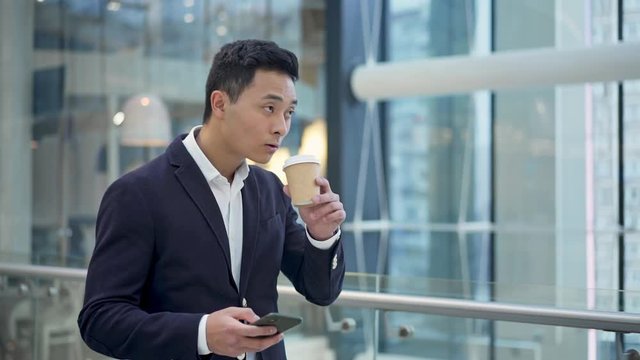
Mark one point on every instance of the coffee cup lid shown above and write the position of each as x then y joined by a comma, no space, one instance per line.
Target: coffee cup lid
298,159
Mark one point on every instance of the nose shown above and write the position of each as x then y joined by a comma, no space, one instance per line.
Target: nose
281,126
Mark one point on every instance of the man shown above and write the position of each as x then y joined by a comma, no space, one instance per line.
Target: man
189,246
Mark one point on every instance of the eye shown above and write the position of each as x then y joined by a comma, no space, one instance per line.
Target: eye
269,108
291,112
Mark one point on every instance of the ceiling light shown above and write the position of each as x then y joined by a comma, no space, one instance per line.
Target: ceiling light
118,118
113,5
221,30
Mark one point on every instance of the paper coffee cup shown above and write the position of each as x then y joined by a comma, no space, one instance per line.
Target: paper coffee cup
302,171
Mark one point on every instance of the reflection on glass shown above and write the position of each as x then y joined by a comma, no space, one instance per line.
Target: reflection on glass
438,176
115,81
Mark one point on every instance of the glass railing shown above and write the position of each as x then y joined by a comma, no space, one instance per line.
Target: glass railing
375,317
39,316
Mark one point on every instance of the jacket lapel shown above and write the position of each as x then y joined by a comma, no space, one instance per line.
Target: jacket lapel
191,178
250,219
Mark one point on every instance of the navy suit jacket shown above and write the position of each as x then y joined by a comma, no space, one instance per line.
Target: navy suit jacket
161,259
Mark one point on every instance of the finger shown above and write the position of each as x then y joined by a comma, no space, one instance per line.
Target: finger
259,344
286,190
324,185
326,198
259,331
325,209
336,217
245,314
230,311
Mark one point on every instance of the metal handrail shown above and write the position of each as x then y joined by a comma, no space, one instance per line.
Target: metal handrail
544,315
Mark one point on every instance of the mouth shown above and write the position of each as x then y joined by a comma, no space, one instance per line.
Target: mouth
272,147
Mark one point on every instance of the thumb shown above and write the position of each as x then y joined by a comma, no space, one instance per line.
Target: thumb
245,314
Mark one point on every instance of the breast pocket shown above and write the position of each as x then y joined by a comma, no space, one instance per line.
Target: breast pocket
270,243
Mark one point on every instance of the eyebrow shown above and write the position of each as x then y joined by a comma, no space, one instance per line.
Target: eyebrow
278,98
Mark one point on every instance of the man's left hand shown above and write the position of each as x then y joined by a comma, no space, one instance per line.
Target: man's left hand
324,217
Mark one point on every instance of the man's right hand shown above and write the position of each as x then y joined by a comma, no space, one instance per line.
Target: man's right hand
227,335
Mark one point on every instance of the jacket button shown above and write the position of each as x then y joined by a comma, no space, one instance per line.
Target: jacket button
244,302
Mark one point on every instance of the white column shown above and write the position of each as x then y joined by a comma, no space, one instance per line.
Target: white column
16,50
571,178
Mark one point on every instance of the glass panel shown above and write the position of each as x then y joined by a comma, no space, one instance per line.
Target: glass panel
333,332
531,341
93,60
555,163
403,335
418,336
39,319
631,158
437,150
524,186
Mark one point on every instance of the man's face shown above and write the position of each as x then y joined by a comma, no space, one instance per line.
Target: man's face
256,123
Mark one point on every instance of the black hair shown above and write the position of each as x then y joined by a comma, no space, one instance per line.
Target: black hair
235,65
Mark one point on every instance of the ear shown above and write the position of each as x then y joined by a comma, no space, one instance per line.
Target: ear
218,101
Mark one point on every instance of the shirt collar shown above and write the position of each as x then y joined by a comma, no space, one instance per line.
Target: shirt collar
208,170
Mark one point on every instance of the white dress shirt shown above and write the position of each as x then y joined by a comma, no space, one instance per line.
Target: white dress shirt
229,199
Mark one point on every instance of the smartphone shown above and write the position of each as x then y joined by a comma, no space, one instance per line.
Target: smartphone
280,321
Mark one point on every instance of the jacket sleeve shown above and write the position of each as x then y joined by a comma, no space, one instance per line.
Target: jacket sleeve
311,270
112,321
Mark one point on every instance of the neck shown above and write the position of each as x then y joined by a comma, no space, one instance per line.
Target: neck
214,149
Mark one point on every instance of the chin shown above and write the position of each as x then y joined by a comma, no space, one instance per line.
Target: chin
260,159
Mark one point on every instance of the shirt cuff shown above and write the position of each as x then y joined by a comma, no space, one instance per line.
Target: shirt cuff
203,348
326,244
